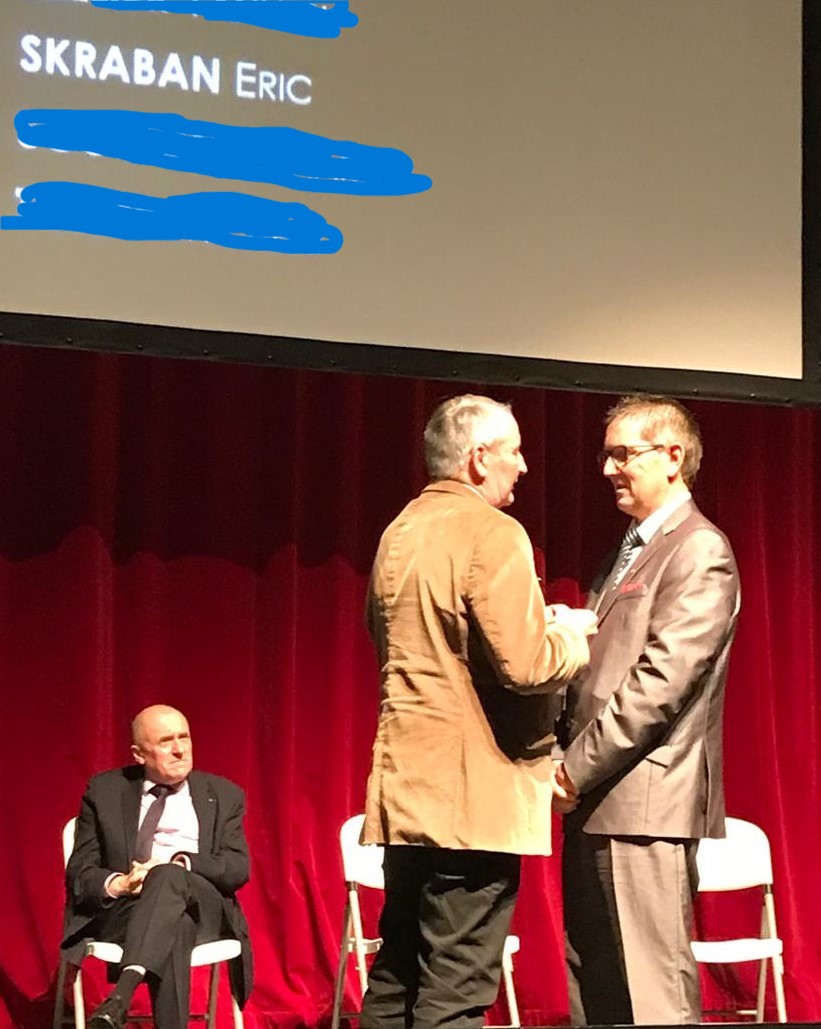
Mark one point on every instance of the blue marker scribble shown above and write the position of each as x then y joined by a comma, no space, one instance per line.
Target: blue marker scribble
298,17
276,154
227,219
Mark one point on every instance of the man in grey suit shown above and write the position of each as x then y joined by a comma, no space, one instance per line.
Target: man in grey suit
642,731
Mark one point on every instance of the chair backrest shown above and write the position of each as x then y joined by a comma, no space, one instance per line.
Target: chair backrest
68,838
740,860
361,864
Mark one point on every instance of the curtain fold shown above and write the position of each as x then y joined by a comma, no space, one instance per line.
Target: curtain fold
201,534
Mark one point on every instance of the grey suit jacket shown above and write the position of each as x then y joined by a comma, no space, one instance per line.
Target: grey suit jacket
104,843
642,726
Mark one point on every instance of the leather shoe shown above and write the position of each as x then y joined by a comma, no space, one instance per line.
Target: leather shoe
111,1014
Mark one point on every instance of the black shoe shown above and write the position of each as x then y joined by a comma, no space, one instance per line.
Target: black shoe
111,1014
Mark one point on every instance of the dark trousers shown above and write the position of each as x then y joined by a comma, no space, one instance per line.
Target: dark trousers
628,905
443,927
158,929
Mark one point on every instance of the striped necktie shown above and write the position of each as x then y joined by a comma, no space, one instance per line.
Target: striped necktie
631,541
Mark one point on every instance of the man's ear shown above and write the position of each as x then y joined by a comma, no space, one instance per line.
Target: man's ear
477,464
136,754
675,457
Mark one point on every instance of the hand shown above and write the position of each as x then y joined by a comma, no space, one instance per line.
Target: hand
581,619
565,793
130,884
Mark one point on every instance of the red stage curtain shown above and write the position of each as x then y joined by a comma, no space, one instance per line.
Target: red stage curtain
201,534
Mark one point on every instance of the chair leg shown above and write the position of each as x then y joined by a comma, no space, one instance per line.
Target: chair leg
778,982
213,994
79,1001
59,1000
510,992
359,947
768,920
341,968
236,1011
761,993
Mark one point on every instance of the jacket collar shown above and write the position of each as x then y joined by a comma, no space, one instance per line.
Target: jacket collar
455,487
655,522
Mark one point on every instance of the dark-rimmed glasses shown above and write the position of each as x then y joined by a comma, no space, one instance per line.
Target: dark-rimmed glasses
623,455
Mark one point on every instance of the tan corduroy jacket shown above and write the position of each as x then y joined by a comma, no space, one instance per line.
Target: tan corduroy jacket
468,664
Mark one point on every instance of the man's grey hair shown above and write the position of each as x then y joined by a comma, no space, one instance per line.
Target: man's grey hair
455,427
664,416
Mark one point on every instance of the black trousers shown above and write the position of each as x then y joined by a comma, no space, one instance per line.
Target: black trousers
446,916
158,929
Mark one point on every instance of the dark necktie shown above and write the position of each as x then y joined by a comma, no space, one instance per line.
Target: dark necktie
145,834
631,540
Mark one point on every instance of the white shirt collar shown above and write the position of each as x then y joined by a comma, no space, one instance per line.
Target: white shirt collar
181,790
652,523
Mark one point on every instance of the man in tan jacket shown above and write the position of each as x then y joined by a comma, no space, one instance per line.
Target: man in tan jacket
461,779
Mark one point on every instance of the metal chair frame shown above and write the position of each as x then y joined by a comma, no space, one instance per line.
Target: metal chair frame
740,861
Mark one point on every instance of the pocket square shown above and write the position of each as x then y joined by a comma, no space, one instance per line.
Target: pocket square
633,589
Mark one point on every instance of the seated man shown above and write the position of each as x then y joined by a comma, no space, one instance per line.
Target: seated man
159,853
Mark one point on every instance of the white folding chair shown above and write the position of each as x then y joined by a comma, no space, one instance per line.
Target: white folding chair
362,867
740,861
213,954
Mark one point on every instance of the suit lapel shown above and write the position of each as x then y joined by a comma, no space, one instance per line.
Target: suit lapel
205,806
604,601
605,598
608,595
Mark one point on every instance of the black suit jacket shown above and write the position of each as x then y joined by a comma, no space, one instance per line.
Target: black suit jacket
104,844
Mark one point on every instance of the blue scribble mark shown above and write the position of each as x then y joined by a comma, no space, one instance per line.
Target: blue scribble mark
227,219
299,17
279,155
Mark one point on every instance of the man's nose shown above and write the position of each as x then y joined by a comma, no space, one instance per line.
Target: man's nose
522,465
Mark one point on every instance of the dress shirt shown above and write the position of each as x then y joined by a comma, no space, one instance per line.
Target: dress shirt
179,828
178,831
652,523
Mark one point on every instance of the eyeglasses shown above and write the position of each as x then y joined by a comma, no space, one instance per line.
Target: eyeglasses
623,455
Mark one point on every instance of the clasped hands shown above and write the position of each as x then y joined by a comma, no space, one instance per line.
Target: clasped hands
130,884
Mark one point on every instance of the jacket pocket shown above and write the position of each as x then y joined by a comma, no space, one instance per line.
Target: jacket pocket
661,755
632,590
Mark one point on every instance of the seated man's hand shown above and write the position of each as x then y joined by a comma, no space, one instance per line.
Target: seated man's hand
565,794
130,884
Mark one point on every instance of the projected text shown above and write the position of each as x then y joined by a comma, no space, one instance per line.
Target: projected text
138,66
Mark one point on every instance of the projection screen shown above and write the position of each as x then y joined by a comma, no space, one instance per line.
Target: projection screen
596,182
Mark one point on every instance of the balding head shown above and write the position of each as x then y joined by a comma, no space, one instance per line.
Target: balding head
161,742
